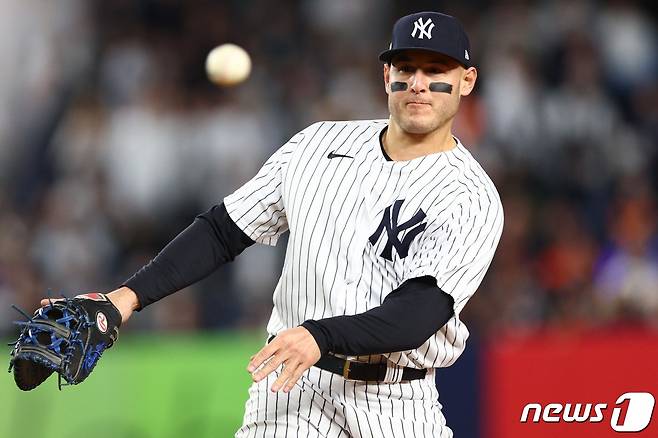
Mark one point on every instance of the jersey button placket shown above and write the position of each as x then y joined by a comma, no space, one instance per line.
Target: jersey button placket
362,225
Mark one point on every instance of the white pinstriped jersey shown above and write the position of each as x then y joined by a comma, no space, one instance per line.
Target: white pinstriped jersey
360,225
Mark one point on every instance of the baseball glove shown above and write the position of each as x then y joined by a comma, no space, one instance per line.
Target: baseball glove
67,336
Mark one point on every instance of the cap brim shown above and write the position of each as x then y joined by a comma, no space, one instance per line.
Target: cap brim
387,55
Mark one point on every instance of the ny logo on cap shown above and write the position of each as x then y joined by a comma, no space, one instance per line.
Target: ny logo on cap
424,29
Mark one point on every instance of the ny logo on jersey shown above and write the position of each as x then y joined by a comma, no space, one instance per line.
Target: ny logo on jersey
423,29
390,223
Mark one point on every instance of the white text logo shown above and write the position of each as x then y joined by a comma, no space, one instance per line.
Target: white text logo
636,413
632,412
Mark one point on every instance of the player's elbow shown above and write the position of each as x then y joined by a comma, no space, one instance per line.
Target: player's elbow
432,315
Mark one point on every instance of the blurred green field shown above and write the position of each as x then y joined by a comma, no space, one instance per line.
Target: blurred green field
144,387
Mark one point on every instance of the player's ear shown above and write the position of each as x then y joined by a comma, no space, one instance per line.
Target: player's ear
469,76
387,78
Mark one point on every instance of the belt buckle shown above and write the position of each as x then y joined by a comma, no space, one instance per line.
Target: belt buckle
346,369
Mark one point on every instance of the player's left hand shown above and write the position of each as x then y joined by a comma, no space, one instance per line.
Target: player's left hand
295,348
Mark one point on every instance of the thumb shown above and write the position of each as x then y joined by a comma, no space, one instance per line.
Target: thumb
47,301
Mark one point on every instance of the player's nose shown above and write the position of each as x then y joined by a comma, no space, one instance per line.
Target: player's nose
419,82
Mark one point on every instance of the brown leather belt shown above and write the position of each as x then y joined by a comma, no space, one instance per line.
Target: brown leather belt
367,372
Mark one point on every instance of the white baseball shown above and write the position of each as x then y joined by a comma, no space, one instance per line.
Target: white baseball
228,65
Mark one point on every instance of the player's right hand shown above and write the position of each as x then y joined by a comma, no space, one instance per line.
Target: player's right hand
295,348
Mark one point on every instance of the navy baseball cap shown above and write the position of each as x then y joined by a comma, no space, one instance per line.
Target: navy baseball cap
430,31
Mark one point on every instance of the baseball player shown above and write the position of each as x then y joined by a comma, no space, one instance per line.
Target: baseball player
392,224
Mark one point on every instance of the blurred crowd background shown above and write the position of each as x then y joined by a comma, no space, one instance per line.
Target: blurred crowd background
112,139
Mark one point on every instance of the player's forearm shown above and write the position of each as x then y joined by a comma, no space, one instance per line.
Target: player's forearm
404,321
210,241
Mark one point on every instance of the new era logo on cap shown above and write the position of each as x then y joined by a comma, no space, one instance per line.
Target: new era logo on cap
431,31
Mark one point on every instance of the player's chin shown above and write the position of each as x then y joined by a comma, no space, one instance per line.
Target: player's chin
419,124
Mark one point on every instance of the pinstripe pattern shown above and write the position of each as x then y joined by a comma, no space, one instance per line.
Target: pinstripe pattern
331,207
325,405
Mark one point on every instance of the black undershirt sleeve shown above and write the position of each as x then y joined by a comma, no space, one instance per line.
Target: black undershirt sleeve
210,241
404,321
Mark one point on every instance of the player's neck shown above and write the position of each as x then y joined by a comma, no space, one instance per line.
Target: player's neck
403,146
